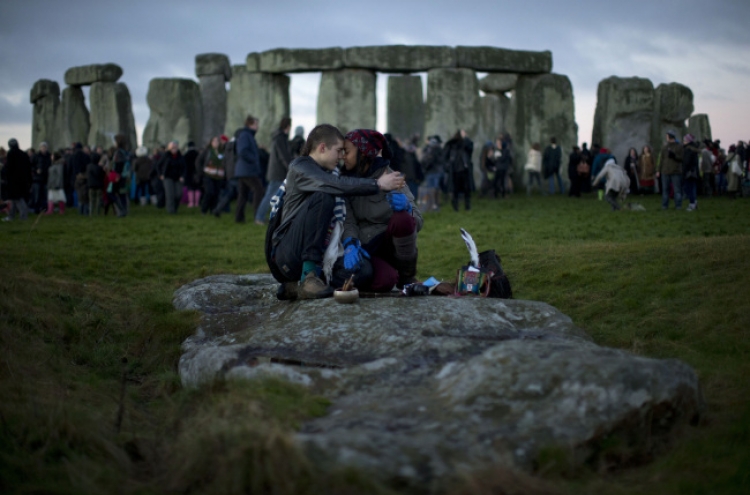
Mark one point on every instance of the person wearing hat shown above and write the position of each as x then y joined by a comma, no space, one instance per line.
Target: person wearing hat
690,170
670,171
617,183
18,176
380,231
434,170
211,172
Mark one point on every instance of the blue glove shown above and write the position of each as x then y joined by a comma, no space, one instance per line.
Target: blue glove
353,254
399,202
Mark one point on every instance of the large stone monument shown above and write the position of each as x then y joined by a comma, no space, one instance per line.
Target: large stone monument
346,99
262,95
624,115
542,107
45,96
213,72
452,103
405,106
673,105
176,112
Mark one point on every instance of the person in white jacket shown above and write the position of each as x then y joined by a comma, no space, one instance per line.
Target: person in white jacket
617,183
534,167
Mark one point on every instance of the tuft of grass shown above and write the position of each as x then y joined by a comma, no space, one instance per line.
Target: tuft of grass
90,399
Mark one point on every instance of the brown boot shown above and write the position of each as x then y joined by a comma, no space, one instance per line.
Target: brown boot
287,291
314,288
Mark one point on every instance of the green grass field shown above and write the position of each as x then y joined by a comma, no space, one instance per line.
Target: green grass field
90,401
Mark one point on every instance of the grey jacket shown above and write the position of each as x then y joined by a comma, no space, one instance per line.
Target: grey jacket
281,156
306,177
55,177
368,216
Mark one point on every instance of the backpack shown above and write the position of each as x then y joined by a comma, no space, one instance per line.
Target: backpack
273,224
499,283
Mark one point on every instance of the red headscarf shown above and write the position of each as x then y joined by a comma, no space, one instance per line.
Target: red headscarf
367,141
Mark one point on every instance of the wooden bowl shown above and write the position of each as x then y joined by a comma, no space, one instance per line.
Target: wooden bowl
346,296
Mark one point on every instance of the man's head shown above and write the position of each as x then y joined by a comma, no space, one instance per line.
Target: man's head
12,143
552,140
325,145
285,125
173,147
44,147
671,137
251,123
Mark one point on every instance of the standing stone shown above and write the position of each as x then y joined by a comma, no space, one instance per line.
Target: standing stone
491,59
45,96
73,124
252,62
111,114
264,96
347,99
542,107
673,105
176,112
89,74
399,58
497,84
405,106
283,60
213,71
700,127
492,117
624,114
452,103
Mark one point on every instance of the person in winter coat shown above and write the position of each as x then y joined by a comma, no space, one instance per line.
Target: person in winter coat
247,169
434,170
707,168
18,176
172,173
56,185
193,178
617,183
551,163
278,165
384,225
574,159
305,234
210,166
457,154
631,168
95,182
297,142
121,161
690,170
142,167
501,162
41,164
410,166
734,171
670,171
534,167
647,171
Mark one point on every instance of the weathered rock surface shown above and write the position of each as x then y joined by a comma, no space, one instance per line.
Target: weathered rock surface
346,99
673,105
265,96
441,386
176,112
542,107
85,75
452,103
498,84
282,60
491,59
399,58
252,62
212,64
624,115
492,118
700,127
73,124
45,96
111,114
405,106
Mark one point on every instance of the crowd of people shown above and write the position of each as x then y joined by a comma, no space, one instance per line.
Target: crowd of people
95,180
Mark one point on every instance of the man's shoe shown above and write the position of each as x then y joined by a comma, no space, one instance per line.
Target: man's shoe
314,288
287,291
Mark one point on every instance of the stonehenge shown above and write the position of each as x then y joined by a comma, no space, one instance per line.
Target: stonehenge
483,90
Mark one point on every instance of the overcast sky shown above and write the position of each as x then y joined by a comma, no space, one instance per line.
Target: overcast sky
705,46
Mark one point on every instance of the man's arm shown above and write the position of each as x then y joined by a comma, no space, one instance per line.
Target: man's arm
311,178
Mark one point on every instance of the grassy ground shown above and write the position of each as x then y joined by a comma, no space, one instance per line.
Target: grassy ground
90,401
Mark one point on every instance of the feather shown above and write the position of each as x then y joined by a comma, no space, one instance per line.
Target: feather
472,247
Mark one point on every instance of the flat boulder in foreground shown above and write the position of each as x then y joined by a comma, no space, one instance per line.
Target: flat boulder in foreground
425,388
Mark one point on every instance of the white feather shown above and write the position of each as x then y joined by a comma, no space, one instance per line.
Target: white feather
472,247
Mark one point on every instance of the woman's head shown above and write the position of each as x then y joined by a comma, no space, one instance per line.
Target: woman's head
215,142
633,152
361,147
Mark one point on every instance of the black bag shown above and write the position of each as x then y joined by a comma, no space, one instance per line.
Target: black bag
499,283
